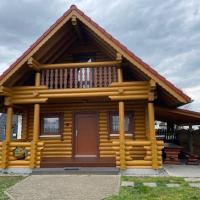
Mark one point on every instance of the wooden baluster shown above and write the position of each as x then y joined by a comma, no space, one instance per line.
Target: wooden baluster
81,77
105,77
114,71
109,76
71,78
100,76
75,79
51,78
95,77
56,78
65,78
85,77
47,77
91,77
61,78
43,77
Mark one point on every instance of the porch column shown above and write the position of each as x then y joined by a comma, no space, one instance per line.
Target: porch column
9,120
36,127
152,135
5,146
122,136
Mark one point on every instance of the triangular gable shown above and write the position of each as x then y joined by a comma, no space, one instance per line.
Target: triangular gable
146,69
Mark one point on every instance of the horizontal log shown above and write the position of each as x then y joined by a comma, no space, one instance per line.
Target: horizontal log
130,83
137,163
30,88
133,143
107,156
18,162
29,101
18,166
141,167
134,90
22,144
52,94
80,65
128,97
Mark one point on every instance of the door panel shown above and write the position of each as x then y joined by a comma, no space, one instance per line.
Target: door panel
86,135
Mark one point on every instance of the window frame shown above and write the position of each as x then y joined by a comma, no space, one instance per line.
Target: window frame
51,115
131,124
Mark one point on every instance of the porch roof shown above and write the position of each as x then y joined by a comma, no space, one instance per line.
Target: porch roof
177,116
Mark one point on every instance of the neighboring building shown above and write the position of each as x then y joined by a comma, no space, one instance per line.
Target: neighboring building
86,100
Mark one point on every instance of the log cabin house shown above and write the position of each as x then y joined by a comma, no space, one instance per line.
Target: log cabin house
85,100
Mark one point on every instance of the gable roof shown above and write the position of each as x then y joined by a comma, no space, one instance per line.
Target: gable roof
145,68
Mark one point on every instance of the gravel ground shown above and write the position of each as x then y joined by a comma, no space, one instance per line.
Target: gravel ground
69,187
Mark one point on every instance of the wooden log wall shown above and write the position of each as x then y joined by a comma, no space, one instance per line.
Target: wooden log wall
62,147
12,161
138,153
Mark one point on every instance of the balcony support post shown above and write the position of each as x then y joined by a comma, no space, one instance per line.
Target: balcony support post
151,125
122,136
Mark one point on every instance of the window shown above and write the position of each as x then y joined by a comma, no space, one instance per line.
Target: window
51,124
114,123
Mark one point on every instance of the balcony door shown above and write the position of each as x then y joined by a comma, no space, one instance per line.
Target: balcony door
85,75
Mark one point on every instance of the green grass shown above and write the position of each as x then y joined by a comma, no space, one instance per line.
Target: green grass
161,192
6,182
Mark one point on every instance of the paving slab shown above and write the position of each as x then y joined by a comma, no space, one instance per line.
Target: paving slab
183,170
144,172
127,184
172,185
197,185
150,184
192,179
65,187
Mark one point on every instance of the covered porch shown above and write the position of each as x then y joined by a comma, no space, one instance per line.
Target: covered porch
181,135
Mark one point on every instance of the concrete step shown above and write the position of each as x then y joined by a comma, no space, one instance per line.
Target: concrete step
77,170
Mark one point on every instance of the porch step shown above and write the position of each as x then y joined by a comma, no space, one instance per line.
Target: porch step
77,170
63,162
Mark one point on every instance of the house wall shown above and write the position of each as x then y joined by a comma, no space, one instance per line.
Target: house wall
55,147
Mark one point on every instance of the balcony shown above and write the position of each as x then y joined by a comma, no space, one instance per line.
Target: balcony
77,80
79,75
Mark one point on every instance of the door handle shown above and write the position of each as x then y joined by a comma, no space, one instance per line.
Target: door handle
76,133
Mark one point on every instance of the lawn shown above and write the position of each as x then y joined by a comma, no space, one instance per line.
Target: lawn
6,182
161,192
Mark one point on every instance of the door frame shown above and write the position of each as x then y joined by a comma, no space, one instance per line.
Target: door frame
74,129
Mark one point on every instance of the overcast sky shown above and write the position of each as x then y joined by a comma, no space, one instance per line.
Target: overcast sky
165,34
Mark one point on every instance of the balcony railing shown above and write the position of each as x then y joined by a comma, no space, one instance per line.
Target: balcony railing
79,77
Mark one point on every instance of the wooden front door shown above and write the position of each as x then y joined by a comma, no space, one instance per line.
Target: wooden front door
86,135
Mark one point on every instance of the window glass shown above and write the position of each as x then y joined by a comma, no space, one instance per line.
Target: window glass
51,124
114,123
